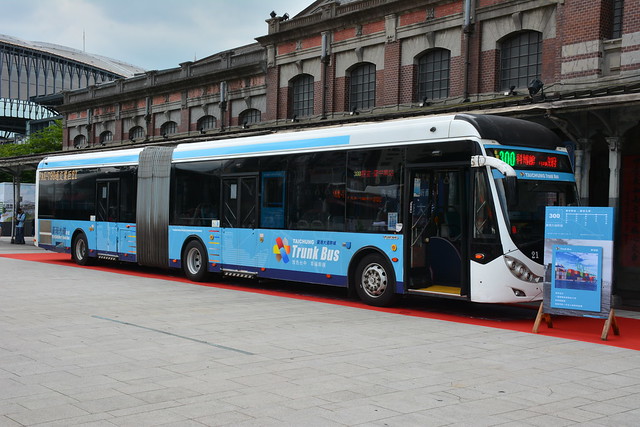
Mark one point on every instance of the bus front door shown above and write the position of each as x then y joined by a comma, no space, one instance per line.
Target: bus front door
436,249
239,220
107,213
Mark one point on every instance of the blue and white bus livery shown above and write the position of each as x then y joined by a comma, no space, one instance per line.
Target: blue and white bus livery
447,206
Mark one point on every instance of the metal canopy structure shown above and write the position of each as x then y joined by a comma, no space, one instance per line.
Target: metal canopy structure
15,113
31,70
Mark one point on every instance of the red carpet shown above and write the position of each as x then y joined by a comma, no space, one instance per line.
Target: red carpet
575,328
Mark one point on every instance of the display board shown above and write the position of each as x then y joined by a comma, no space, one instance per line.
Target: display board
578,255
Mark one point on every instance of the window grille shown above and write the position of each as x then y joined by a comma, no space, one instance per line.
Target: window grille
618,10
168,128
206,123
250,116
362,93
520,59
136,132
433,74
303,96
106,136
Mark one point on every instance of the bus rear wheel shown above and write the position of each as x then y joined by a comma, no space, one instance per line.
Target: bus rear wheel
194,261
80,250
375,281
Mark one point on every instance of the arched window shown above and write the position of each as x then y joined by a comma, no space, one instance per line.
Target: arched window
106,136
520,59
362,87
250,116
433,74
206,123
302,96
80,141
136,132
168,128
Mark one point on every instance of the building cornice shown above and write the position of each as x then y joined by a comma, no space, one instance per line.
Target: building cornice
335,16
227,65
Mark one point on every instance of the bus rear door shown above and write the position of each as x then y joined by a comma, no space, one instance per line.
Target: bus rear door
437,249
107,217
239,220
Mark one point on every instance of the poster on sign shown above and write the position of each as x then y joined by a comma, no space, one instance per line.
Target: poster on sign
576,281
579,261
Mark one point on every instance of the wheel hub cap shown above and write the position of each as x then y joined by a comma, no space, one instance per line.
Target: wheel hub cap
374,280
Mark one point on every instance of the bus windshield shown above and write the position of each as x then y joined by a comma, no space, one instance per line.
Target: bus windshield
525,218
545,178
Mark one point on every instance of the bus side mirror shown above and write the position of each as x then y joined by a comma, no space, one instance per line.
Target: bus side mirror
510,184
511,190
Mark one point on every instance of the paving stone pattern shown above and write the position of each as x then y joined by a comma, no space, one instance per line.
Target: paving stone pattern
86,347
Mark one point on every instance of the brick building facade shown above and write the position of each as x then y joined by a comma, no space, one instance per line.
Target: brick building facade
374,59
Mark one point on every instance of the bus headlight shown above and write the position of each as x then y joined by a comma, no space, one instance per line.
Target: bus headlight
520,270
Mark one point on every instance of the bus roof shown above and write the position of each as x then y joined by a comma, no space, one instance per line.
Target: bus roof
510,131
98,158
507,131
504,130
345,136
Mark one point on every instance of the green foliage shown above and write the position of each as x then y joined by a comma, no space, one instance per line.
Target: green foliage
26,176
44,141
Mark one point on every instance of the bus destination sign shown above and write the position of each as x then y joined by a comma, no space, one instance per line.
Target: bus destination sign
525,159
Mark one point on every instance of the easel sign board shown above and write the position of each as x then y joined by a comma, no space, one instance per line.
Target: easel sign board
578,254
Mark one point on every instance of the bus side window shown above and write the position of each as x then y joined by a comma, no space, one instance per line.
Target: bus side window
373,190
316,191
195,197
273,192
484,224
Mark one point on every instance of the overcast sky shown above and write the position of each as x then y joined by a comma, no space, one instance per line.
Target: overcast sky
152,34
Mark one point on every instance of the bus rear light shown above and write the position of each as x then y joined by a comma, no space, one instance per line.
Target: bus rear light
520,270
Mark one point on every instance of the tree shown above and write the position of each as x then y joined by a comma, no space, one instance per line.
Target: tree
43,141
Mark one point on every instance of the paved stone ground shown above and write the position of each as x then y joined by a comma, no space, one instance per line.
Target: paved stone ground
86,347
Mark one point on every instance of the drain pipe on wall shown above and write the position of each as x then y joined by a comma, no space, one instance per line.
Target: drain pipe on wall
324,59
467,29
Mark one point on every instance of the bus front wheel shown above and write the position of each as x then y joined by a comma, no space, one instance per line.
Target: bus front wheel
194,262
375,281
80,250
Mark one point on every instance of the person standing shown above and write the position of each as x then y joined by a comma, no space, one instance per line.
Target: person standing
20,218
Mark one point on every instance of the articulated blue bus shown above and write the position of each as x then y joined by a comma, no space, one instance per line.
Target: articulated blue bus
449,206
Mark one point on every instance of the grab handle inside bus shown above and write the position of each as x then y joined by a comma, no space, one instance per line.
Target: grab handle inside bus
511,182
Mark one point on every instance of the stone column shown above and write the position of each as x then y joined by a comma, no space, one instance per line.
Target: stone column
615,162
586,167
581,169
